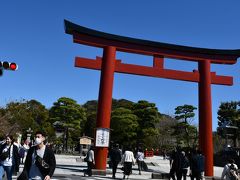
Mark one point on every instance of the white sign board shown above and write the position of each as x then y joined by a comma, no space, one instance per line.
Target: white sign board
85,141
102,137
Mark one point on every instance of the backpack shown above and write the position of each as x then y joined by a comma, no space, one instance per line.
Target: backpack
232,169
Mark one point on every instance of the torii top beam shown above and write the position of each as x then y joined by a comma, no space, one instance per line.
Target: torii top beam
158,50
95,38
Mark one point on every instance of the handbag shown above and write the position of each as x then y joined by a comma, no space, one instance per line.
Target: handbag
5,155
87,157
41,163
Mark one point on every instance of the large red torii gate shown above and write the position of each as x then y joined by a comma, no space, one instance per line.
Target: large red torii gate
108,65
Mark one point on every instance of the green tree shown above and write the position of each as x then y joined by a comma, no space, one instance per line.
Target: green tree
184,131
229,113
70,115
164,139
90,124
218,142
147,116
229,120
4,123
123,124
91,108
122,103
27,114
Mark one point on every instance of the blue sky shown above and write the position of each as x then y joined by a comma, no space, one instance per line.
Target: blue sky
32,35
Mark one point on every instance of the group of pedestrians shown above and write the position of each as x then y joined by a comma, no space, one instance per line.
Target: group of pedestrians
116,157
126,159
180,163
40,161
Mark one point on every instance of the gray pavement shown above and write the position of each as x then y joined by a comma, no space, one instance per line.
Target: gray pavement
71,167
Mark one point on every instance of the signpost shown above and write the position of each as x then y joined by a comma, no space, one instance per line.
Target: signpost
102,137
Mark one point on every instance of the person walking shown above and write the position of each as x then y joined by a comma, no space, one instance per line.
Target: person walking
140,160
230,171
90,161
26,147
115,157
184,163
197,165
9,158
40,162
127,160
175,167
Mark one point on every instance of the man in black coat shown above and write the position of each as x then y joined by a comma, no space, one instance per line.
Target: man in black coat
197,165
40,161
115,156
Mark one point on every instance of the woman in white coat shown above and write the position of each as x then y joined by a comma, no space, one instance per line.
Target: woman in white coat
127,160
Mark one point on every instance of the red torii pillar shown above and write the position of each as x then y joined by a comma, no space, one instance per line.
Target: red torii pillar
105,101
205,115
108,65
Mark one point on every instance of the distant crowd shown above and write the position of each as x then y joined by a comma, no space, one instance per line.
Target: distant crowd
40,163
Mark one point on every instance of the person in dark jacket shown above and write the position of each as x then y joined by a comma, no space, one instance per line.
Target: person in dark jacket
9,158
40,162
175,167
115,156
197,165
184,163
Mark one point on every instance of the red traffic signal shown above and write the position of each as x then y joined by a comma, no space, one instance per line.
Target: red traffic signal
13,66
8,66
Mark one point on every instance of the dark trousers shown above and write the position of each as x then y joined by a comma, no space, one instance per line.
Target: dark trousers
89,169
114,167
196,175
127,168
184,173
179,174
172,174
140,166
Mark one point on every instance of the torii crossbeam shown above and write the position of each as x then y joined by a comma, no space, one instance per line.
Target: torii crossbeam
108,65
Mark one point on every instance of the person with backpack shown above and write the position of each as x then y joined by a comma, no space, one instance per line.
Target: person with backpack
230,171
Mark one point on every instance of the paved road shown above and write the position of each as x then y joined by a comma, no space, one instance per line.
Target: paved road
71,167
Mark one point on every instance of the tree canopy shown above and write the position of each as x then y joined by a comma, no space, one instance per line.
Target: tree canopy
132,123
183,130
70,116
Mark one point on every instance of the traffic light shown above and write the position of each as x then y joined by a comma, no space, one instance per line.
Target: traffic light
7,66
